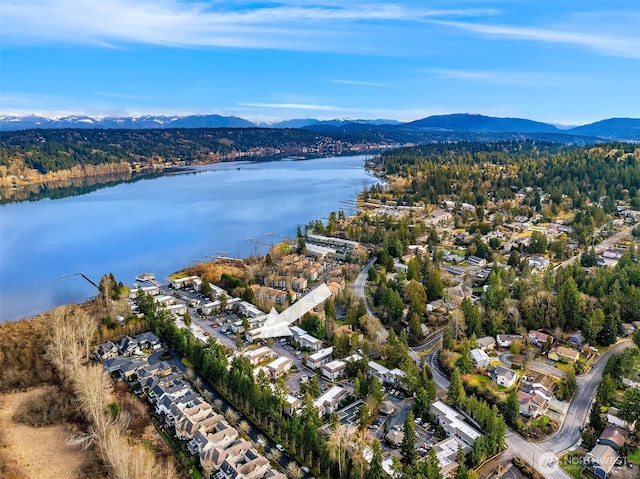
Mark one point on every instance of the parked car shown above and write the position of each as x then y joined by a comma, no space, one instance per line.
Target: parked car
280,447
305,469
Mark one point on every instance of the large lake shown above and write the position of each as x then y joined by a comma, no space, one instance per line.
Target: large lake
161,225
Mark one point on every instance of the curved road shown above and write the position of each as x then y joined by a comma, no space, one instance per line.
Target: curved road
360,284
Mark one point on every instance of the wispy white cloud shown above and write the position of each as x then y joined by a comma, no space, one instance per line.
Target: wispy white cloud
244,24
530,79
359,83
606,44
291,106
121,95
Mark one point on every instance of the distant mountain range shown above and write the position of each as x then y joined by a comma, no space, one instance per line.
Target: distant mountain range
626,129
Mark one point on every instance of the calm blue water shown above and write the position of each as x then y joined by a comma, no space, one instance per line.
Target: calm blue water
160,225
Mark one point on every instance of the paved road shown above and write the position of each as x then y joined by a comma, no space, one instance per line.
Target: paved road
360,284
580,405
600,247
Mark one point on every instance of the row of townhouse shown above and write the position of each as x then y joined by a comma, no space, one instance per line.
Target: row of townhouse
128,346
285,282
208,434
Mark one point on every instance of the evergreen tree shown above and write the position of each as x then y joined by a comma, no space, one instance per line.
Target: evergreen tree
408,454
455,391
464,362
595,417
609,333
462,471
375,468
512,408
570,305
447,340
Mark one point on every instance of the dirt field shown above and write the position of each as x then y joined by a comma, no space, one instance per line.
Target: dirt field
35,452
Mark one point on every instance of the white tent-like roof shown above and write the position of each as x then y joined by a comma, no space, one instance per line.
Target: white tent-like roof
277,325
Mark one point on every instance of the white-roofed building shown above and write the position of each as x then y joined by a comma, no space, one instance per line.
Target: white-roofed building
329,402
453,423
480,358
320,358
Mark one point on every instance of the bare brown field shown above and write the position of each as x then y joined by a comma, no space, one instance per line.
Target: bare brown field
31,452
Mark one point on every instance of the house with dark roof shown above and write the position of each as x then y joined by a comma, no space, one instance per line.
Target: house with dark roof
532,405
128,346
505,340
538,338
148,340
613,436
107,350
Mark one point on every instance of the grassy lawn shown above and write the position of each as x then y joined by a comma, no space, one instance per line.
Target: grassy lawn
187,363
484,381
635,457
570,467
541,422
566,367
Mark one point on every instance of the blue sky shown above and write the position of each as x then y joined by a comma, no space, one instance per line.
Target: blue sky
560,61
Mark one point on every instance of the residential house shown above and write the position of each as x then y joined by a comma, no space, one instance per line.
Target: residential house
477,261
480,358
396,377
538,338
532,405
314,361
602,458
613,253
446,452
259,355
577,339
540,384
220,435
150,290
279,367
627,329
487,343
452,422
334,370
297,332
561,353
123,367
632,380
299,284
148,340
214,457
107,350
378,370
539,262
613,417
128,346
292,404
329,402
505,340
613,436
310,342
503,376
